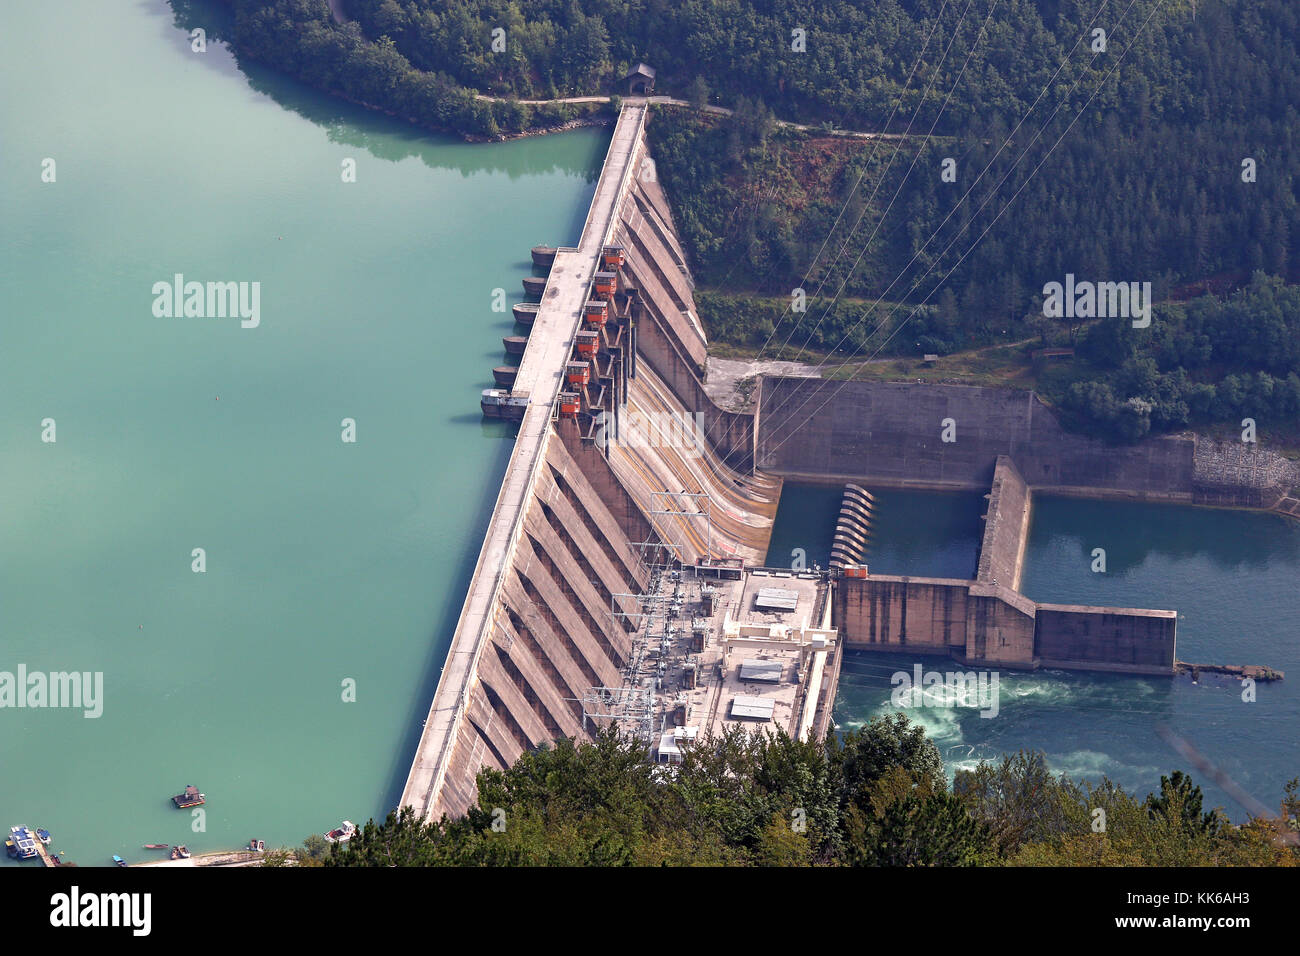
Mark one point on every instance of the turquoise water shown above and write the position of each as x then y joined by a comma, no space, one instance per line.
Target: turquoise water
326,561
1231,575
921,534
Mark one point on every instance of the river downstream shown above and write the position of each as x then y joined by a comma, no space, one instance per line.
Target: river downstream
1231,575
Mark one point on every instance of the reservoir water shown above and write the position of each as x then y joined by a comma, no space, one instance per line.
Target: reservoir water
332,568
1231,575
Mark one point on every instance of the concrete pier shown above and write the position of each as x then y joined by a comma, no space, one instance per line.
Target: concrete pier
1006,527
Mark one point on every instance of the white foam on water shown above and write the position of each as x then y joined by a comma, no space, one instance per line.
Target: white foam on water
941,724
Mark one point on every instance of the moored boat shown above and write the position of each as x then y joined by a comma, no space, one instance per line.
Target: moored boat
118,860
525,312
342,834
515,344
21,845
504,375
156,846
180,853
534,285
190,798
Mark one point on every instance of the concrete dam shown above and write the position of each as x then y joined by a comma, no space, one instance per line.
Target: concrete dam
620,579
611,585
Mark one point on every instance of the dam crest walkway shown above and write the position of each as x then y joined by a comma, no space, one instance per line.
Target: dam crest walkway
540,377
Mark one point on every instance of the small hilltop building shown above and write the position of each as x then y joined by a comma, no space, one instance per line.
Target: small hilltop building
641,81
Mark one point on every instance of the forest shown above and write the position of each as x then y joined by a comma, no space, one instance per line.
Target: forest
874,796
1162,182
1209,360
1024,149
301,38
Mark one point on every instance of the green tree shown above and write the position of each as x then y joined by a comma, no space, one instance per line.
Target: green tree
908,820
1017,799
864,755
697,92
1179,804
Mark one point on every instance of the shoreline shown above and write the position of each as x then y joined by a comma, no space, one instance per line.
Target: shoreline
210,858
581,123
597,119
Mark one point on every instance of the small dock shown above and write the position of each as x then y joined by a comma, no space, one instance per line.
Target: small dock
1259,672
46,858
25,843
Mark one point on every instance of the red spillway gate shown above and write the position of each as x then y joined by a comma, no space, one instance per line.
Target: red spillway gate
606,285
611,258
578,373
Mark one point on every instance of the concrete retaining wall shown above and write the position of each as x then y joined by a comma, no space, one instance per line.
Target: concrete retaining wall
991,625
669,337
1000,626
1120,639
890,434
1241,474
886,612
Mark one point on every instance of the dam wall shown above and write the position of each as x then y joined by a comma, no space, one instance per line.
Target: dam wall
668,472
1000,626
551,634
889,612
731,433
633,525
594,504
983,624
1129,640
891,434
970,621
669,335
664,383
601,515
537,628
